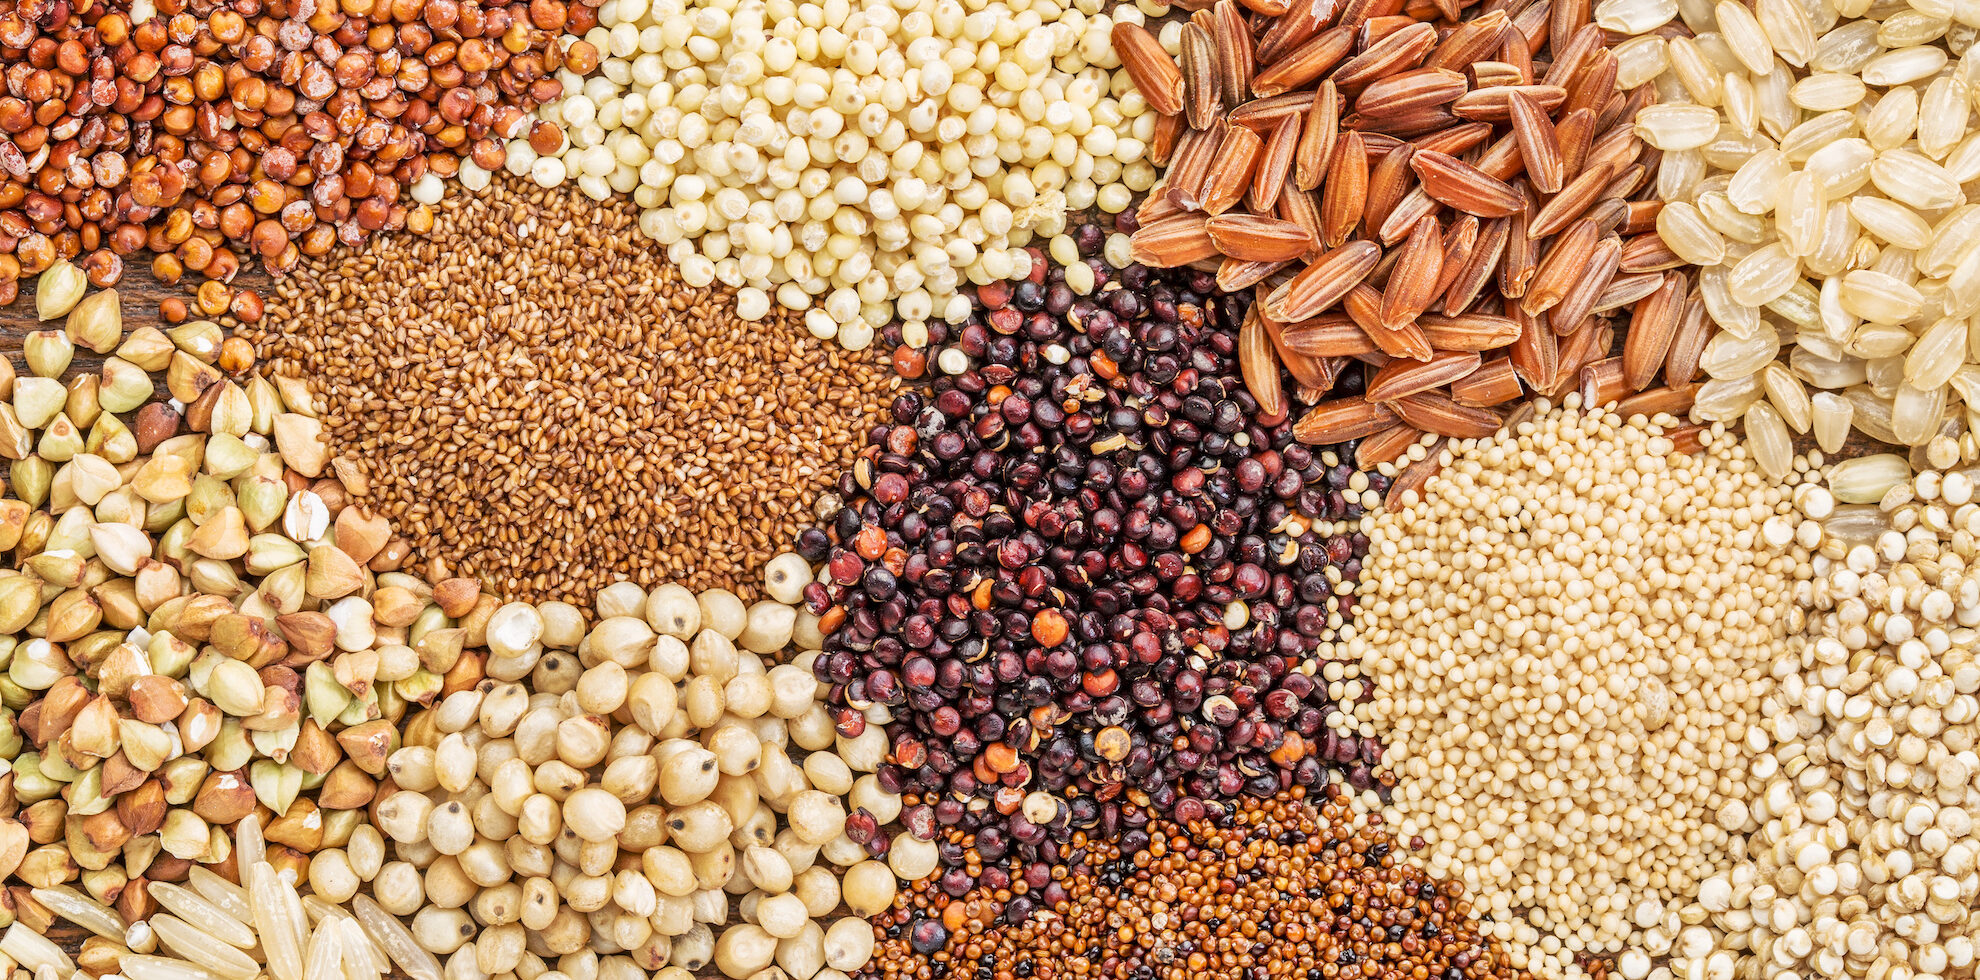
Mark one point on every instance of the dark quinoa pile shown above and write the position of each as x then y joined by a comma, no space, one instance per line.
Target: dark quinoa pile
1080,574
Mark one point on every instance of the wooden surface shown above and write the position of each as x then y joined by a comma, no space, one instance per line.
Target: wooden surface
139,295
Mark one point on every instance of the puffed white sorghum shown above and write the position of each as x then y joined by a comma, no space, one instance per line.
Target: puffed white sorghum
1819,167
855,160
1569,635
1861,848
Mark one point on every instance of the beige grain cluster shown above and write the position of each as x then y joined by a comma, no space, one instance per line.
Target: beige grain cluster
653,793
588,808
1569,635
1456,209
854,162
534,396
1817,165
1861,848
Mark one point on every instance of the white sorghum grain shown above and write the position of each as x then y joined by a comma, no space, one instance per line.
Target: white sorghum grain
623,832
1569,635
1860,845
855,161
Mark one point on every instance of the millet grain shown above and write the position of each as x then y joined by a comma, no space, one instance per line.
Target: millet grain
537,399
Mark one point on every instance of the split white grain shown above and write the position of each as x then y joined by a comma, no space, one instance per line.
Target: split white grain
34,951
280,931
225,895
82,910
198,911
196,946
141,967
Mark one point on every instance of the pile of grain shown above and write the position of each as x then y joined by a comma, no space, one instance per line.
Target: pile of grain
1818,167
1569,635
1461,203
536,398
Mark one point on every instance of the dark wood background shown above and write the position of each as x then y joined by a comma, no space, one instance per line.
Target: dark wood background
139,295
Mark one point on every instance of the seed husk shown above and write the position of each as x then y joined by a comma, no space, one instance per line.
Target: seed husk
1316,138
1344,197
1401,378
1569,205
1403,48
1385,446
1652,330
1390,181
1258,367
1234,52
1341,420
1254,239
1413,281
1452,181
1154,73
1200,78
1323,282
1401,338
1173,241
1332,335
1438,414
1230,173
1494,383
1405,92
1676,400
1560,269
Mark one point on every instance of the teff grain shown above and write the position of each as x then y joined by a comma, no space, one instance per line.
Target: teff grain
538,399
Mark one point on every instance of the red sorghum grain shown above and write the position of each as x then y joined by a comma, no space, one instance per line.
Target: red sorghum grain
534,397
1280,889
